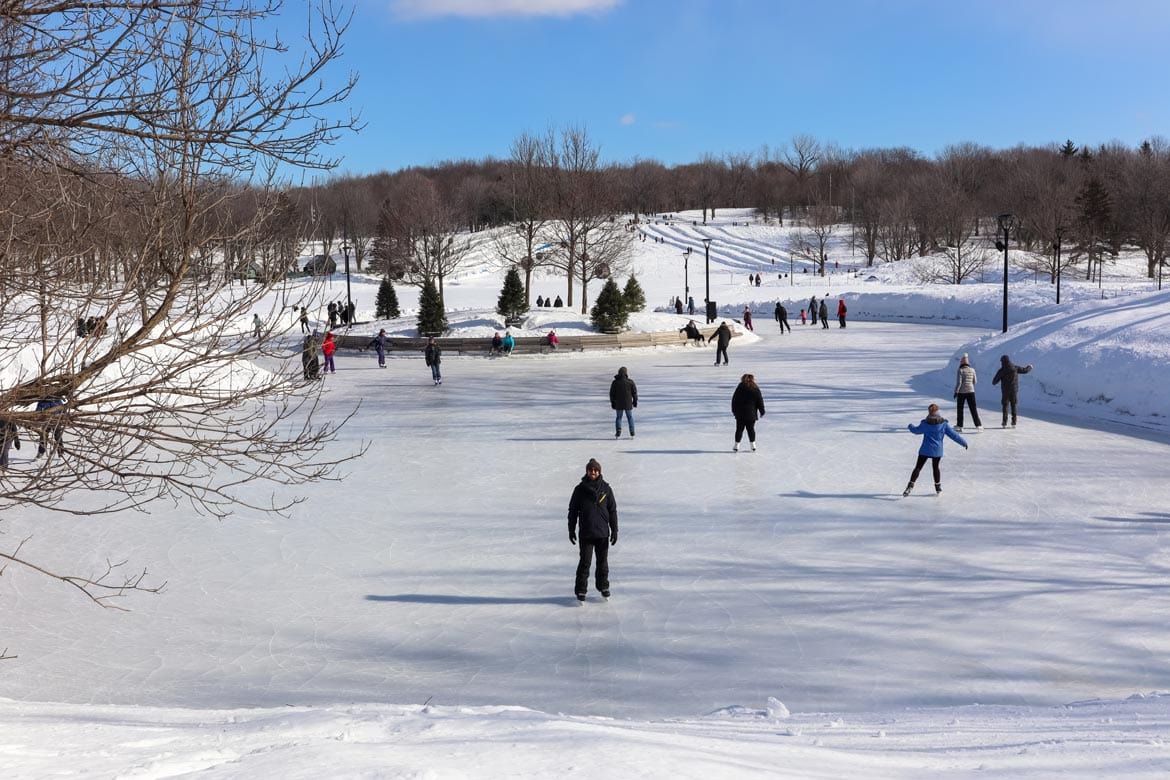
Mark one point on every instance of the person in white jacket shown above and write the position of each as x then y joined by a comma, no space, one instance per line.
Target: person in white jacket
965,392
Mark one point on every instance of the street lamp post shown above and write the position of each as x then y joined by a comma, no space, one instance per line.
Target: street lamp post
707,272
348,300
1056,249
1007,222
686,275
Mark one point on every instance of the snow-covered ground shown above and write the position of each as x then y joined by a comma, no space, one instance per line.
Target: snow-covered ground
783,613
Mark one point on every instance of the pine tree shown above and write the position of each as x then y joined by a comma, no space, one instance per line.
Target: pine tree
609,312
431,317
633,296
511,303
1094,215
1069,150
386,304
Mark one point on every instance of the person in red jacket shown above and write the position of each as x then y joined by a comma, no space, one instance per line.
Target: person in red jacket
329,347
841,311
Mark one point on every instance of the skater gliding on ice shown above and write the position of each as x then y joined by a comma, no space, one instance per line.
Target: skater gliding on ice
965,392
746,401
1009,384
722,336
593,516
623,397
433,355
932,429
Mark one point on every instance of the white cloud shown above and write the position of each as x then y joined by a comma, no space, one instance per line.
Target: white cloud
629,119
422,9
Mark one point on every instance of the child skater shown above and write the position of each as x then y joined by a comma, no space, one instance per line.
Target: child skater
932,429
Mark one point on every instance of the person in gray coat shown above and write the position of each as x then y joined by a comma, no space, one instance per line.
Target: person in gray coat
965,393
1009,385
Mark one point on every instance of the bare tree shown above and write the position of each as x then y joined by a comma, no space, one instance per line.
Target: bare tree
137,121
419,238
811,241
585,209
529,191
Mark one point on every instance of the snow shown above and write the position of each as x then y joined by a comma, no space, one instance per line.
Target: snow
783,613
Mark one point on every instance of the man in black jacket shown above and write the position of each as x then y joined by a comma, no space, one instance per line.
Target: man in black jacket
623,397
722,336
593,514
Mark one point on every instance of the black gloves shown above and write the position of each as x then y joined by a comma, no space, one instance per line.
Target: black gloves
572,537
613,536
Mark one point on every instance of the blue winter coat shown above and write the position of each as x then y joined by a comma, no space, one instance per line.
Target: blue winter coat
932,429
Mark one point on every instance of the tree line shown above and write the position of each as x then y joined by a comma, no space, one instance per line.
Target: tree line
1074,206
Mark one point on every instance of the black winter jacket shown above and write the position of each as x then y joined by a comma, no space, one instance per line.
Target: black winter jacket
623,393
746,401
1008,377
722,334
594,508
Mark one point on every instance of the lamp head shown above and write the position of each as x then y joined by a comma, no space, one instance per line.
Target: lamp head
1007,222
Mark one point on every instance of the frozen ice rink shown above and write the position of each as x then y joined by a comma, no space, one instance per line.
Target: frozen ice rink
439,568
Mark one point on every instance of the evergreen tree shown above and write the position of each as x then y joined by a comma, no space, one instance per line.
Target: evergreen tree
431,317
633,296
609,312
511,303
1094,215
1069,149
386,304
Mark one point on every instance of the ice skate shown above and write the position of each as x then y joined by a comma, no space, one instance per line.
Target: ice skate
937,488
909,487
753,446
735,447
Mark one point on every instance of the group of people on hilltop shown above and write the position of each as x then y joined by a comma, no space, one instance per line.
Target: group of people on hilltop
544,302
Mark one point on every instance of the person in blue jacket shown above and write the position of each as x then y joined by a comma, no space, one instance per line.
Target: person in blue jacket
932,430
508,344
379,344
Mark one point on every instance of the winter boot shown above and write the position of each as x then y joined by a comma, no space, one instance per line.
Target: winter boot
909,487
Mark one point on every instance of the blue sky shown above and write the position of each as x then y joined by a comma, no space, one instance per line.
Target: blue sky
675,80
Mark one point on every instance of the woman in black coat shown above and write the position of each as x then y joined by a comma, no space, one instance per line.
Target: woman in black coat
746,401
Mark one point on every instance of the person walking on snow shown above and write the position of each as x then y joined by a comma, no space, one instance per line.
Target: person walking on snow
841,310
812,310
328,347
932,429
379,344
965,392
747,318
623,397
257,325
304,319
593,516
722,335
433,355
746,401
824,314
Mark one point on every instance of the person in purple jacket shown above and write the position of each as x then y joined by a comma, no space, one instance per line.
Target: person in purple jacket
932,429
